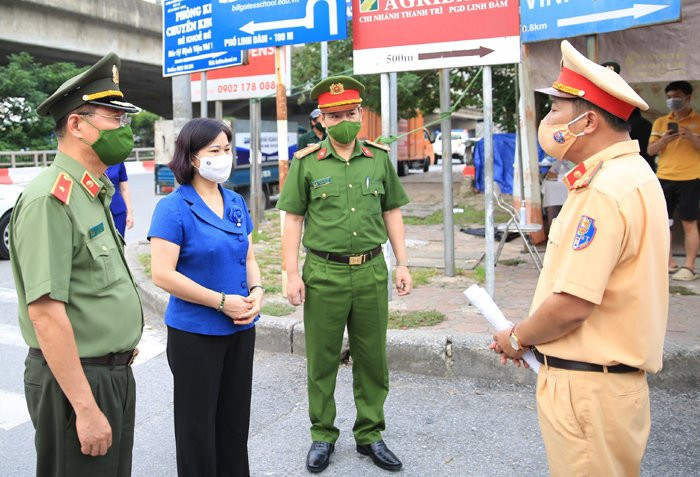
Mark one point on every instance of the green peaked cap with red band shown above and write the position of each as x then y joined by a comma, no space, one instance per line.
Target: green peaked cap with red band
338,93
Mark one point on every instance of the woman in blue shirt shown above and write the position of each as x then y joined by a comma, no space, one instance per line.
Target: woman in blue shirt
202,254
121,200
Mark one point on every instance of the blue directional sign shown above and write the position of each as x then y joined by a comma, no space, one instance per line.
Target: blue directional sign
260,23
188,43
548,19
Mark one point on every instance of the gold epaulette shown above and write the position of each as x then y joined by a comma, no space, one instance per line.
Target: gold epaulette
383,147
307,150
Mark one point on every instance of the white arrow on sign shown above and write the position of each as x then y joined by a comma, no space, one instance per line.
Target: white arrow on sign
252,28
637,10
200,57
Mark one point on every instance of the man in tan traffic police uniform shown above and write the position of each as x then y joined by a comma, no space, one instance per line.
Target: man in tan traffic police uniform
599,313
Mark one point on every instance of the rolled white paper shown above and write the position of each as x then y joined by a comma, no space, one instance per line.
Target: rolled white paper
482,301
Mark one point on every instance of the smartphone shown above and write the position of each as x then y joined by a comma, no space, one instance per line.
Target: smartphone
673,127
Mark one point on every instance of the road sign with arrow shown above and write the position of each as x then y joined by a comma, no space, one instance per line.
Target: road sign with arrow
263,23
391,35
188,45
547,20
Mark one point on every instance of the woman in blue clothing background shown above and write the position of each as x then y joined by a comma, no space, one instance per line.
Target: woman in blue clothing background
202,254
121,200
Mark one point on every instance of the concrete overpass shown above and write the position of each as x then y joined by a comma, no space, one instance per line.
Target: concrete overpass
82,31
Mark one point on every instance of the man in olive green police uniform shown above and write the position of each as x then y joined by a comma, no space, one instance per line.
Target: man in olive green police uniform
79,311
351,195
317,133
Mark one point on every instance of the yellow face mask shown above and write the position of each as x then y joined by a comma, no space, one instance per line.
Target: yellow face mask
557,139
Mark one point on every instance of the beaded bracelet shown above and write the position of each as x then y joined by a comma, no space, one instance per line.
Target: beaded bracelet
223,300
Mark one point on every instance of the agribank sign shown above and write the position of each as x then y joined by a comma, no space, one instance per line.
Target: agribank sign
408,35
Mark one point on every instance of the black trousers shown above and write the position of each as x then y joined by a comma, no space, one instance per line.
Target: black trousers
212,385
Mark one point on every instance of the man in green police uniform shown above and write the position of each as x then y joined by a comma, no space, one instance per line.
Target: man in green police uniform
79,311
317,133
351,195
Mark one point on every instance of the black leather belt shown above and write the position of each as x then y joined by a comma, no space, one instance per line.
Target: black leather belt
349,259
580,365
112,359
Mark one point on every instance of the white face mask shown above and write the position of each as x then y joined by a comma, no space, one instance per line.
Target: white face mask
215,168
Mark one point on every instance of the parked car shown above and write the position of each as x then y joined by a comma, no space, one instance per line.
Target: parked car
461,145
9,193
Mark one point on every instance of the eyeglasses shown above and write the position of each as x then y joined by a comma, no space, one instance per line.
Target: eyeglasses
124,119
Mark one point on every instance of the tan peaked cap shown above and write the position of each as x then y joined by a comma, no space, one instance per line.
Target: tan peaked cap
582,78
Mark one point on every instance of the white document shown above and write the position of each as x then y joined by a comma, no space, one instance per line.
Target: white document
478,297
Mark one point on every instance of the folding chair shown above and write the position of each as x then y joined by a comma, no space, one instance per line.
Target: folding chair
513,225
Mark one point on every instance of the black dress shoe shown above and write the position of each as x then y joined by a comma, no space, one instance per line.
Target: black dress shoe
381,455
319,456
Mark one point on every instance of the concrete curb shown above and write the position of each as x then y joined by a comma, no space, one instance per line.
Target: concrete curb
425,351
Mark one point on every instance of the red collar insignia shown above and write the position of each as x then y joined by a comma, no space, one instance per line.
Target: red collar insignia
90,184
62,187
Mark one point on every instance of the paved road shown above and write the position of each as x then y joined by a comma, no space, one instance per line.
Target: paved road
438,426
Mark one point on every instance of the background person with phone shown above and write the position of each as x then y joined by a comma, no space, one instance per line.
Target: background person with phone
676,139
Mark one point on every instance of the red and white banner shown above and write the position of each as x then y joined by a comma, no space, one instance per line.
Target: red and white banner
408,35
252,80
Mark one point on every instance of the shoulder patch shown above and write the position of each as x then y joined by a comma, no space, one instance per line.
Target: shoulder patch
585,232
383,147
307,150
62,187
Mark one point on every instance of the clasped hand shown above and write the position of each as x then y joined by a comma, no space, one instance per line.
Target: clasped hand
243,309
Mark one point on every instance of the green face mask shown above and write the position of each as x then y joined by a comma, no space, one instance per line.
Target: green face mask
114,145
345,131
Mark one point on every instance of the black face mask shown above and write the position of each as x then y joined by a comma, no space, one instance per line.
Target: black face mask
320,128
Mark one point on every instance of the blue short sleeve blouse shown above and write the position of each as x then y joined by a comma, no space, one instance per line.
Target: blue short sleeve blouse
212,253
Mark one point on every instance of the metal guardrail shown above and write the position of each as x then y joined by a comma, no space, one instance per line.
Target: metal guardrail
45,157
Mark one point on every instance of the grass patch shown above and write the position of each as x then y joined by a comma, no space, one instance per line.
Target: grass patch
679,290
479,274
511,262
277,309
261,236
469,216
414,319
145,260
421,276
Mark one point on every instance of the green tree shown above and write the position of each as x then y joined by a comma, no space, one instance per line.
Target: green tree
143,125
416,90
24,78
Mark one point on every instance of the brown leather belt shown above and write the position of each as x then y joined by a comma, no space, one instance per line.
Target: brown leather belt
349,259
580,365
112,359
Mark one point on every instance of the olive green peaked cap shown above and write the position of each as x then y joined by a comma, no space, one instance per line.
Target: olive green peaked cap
98,85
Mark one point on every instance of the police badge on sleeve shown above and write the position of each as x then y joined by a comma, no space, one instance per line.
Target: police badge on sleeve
585,231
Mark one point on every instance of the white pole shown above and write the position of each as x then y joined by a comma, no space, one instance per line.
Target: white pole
324,59
204,112
489,261
447,205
